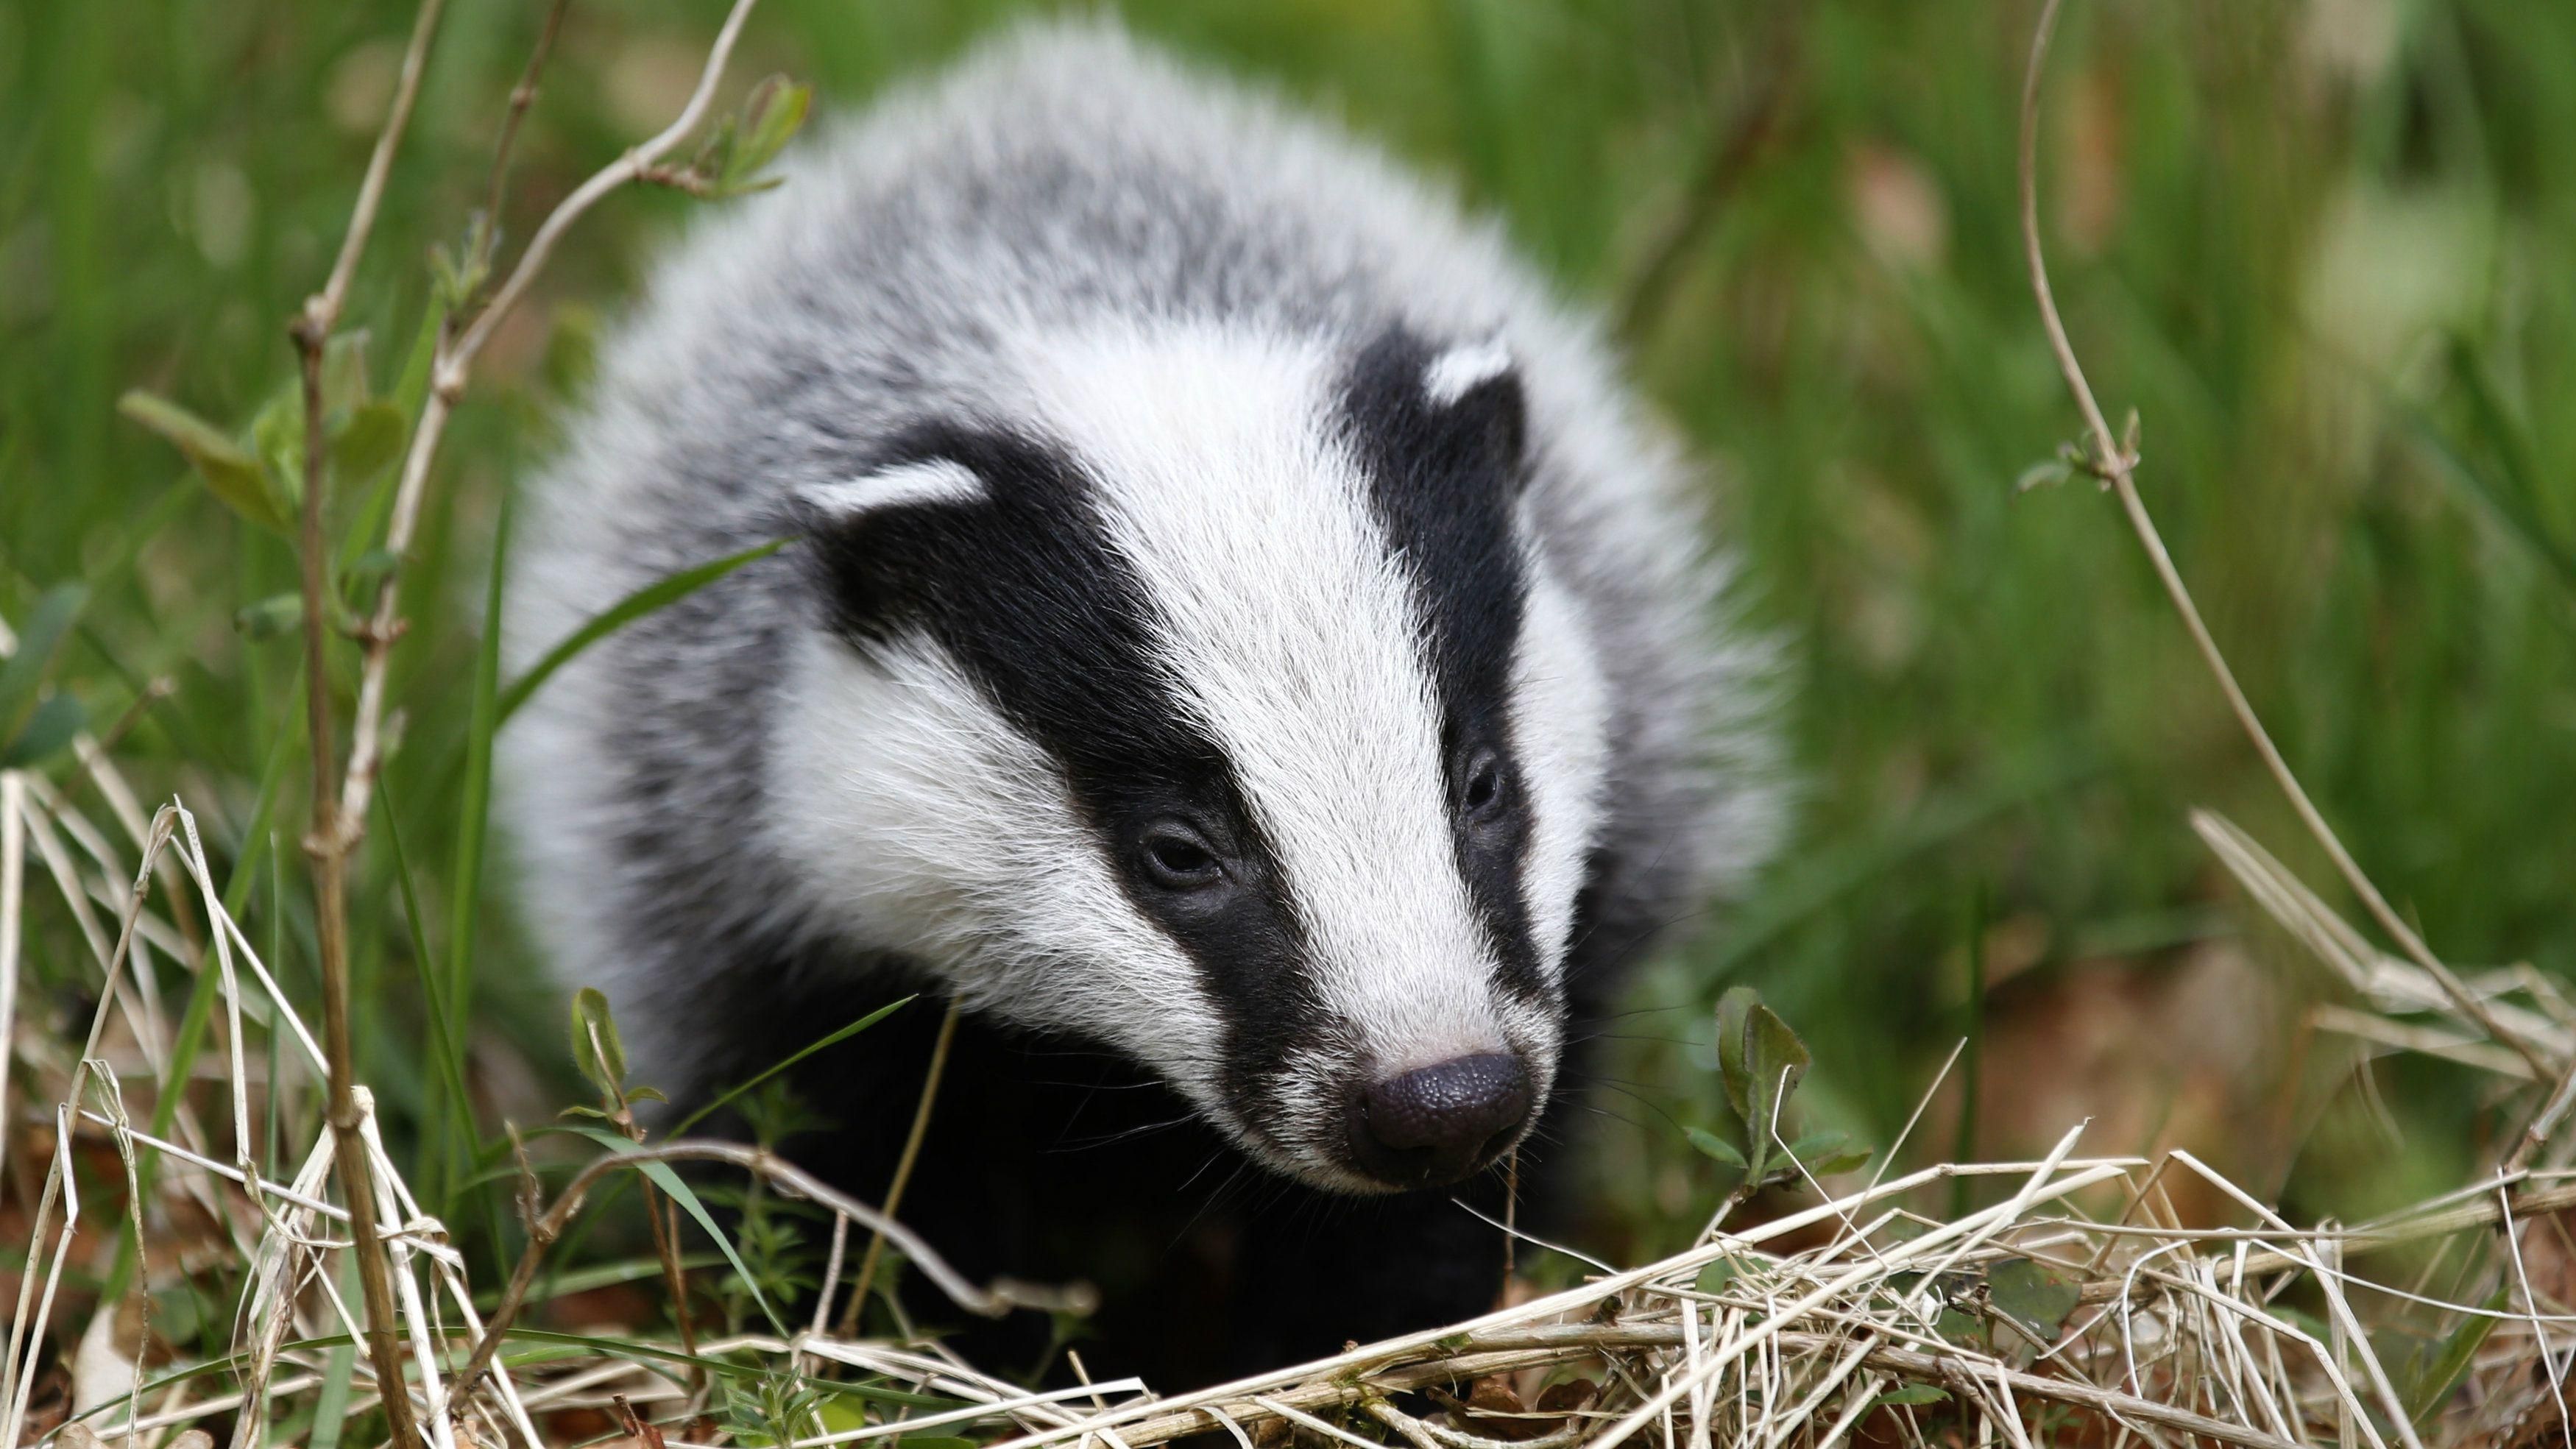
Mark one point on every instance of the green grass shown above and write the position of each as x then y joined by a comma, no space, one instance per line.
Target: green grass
2335,274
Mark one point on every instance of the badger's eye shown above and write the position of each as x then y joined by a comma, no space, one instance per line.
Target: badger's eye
1483,792
1177,859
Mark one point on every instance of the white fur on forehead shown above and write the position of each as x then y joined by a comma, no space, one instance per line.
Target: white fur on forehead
1560,713
932,480
925,825
1291,631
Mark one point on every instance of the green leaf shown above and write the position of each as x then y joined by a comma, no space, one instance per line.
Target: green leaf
2048,474
596,1050
38,637
772,114
634,606
344,372
1734,1009
2033,1296
669,1181
56,719
1780,1062
1762,1062
269,618
2304,1321
1712,1145
277,440
1911,1394
367,439
228,468
370,568
1716,1277
460,270
1825,1153
2429,1391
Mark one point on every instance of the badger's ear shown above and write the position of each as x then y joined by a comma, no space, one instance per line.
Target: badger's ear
1421,410
1474,394
825,508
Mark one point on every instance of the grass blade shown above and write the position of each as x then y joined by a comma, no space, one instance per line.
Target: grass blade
669,1181
474,812
438,1142
46,625
656,595
835,1039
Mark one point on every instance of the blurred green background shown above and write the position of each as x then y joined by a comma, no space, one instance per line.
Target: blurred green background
2327,249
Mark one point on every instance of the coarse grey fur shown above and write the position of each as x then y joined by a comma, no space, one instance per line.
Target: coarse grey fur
1061,181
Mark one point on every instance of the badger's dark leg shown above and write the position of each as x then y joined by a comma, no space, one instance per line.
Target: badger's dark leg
1319,1272
1049,1162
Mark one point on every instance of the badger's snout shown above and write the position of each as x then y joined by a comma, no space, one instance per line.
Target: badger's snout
1439,1123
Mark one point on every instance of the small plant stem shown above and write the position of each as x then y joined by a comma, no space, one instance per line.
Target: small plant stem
522,96
2117,467
326,847
327,844
665,1220
2544,1121
322,309
665,1227
902,1170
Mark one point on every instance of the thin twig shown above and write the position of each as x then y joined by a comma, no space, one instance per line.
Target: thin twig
322,309
2116,464
902,1169
326,849
449,370
522,96
13,888
327,844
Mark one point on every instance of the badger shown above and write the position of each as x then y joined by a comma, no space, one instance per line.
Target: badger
1239,642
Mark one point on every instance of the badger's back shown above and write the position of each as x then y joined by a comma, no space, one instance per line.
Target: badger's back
1060,181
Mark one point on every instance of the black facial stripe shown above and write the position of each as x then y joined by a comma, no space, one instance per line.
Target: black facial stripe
1443,481
1027,592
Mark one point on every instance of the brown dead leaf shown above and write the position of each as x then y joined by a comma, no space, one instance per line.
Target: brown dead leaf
640,1432
1496,1408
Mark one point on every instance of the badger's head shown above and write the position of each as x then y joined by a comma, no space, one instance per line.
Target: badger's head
1223,708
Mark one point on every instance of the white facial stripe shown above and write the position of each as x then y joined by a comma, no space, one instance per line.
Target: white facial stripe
1560,719
1460,370
934,828
1293,633
937,480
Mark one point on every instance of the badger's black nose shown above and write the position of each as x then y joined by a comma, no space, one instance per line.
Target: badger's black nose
1438,1123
